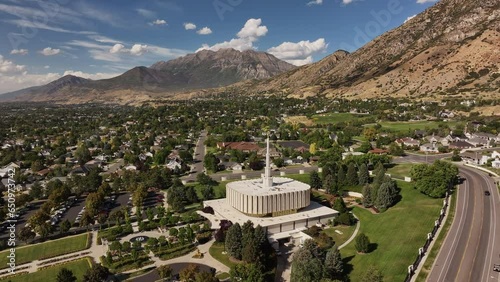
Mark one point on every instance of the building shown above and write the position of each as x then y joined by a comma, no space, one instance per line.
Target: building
281,205
246,147
429,147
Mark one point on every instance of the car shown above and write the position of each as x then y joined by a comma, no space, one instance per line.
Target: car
496,267
486,193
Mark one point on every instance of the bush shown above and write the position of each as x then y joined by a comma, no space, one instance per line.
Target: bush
208,209
362,244
204,237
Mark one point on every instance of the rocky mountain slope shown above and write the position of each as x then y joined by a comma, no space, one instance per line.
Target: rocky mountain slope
449,50
205,69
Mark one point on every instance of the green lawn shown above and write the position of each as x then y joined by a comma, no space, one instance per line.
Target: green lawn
216,252
337,117
300,177
49,274
47,250
397,233
422,277
339,239
400,170
405,126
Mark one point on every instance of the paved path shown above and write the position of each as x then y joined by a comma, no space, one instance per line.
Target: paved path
358,224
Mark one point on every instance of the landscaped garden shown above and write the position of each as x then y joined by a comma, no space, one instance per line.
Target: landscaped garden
48,250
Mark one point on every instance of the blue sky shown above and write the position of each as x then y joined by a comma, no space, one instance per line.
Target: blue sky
44,40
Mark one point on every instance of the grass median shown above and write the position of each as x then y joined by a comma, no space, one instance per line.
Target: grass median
47,250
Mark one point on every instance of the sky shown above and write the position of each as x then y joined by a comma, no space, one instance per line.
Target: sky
43,40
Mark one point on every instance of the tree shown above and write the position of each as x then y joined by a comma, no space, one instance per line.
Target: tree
93,203
205,276
97,273
204,179
364,175
330,184
362,243
279,162
208,193
372,274
367,196
44,229
210,162
339,205
189,273
370,133
247,272
386,195
396,150
191,195
36,191
233,243
333,264
65,275
312,148
352,175
64,226
315,180
307,264
86,219
341,177
26,234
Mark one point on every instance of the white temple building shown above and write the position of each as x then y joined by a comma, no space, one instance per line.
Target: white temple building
281,205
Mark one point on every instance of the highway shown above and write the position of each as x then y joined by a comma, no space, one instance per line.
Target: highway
472,244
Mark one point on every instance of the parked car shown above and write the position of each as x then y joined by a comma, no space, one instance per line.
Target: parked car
496,267
486,193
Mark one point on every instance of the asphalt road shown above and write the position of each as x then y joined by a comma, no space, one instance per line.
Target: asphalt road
472,245
176,269
199,156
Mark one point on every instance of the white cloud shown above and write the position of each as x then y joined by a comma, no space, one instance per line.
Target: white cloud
409,18
116,48
159,22
347,1
99,14
425,1
246,37
103,39
146,13
9,67
204,31
138,49
46,67
24,80
50,52
189,26
93,76
298,53
315,2
39,25
19,52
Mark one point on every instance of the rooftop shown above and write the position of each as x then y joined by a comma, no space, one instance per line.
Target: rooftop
225,211
255,187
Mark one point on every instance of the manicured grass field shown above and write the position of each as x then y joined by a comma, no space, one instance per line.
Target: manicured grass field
400,170
47,250
337,117
402,126
340,238
216,252
49,274
396,233
422,277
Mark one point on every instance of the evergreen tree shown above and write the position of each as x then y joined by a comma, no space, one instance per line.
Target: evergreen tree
307,264
233,244
362,243
339,205
329,183
367,196
379,173
341,177
364,175
352,175
385,196
247,233
315,180
333,264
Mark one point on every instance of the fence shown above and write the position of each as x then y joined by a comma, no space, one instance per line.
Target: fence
430,236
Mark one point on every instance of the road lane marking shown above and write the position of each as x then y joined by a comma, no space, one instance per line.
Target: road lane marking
453,247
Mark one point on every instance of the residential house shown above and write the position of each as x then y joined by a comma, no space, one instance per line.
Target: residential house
378,151
460,145
174,163
495,163
408,142
246,147
234,166
296,145
429,148
478,142
273,152
347,154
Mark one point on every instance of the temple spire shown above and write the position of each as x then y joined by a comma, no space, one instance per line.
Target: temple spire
268,179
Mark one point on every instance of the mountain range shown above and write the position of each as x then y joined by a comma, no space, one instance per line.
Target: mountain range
448,51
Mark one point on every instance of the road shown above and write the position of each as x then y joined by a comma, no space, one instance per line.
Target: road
199,156
472,245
